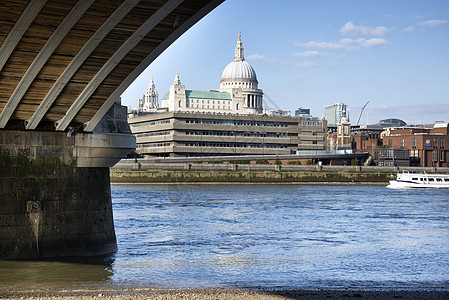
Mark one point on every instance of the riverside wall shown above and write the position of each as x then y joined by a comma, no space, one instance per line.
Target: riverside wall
142,172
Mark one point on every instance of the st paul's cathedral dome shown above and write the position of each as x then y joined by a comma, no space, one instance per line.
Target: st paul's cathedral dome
239,73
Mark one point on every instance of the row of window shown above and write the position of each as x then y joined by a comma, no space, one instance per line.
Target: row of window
240,84
208,101
215,144
428,143
392,154
232,133
206,106
237,122
310,124
150,145
157,133
304,124
432,179
150,123
235,145
435,143
435,155
401,154
415,154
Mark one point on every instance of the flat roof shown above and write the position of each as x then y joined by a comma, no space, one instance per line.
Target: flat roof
212,95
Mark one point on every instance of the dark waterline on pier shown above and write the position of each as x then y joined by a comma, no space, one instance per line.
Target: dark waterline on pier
258,236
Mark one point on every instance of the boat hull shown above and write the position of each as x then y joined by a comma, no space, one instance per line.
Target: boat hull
406,184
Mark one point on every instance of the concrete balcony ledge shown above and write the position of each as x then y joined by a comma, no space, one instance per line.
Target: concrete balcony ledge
101,150
88,150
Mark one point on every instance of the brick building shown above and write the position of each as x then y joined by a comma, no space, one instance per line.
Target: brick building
428,146
366,140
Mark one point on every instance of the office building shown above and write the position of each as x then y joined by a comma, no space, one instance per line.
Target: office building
175,134
334,113
428,147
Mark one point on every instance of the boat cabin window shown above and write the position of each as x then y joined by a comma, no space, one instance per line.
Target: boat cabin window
439,180
414,178
446,180
431,179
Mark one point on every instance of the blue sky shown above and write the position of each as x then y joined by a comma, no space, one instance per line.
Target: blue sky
394,54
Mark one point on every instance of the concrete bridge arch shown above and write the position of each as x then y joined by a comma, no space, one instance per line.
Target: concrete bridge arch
63,65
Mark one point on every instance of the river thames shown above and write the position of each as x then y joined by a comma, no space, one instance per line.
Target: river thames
261,236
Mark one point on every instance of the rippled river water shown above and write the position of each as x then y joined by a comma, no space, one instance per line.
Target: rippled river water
263,236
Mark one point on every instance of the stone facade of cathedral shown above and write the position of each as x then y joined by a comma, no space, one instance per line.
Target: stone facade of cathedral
238,92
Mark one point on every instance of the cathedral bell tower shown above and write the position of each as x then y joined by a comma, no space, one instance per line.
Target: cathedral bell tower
149,101
177,96
343,132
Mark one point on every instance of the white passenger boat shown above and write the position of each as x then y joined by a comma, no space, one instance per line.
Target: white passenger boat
408,179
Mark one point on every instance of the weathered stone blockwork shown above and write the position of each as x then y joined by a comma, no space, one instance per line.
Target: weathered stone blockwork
48,206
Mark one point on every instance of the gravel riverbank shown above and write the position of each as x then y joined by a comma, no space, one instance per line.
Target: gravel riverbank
206,294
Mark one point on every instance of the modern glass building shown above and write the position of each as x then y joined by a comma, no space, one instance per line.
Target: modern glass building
334,113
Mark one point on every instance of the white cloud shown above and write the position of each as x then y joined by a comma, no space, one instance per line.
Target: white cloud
306,64
310,64
372,43
271,61
309,54
350,28
433,23
343,44
409,29
346,42
256,57
289,62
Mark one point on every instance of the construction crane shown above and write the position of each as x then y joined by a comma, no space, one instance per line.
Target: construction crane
362,112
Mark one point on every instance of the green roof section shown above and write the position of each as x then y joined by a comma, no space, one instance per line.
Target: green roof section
213,95
166,96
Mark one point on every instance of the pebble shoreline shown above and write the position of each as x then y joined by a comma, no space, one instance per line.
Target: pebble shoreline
218,294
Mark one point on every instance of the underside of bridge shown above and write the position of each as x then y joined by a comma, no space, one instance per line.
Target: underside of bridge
63,65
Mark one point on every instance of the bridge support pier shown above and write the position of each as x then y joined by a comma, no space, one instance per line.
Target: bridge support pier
55,196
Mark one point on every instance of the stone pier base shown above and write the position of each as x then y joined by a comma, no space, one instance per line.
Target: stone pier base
49,205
